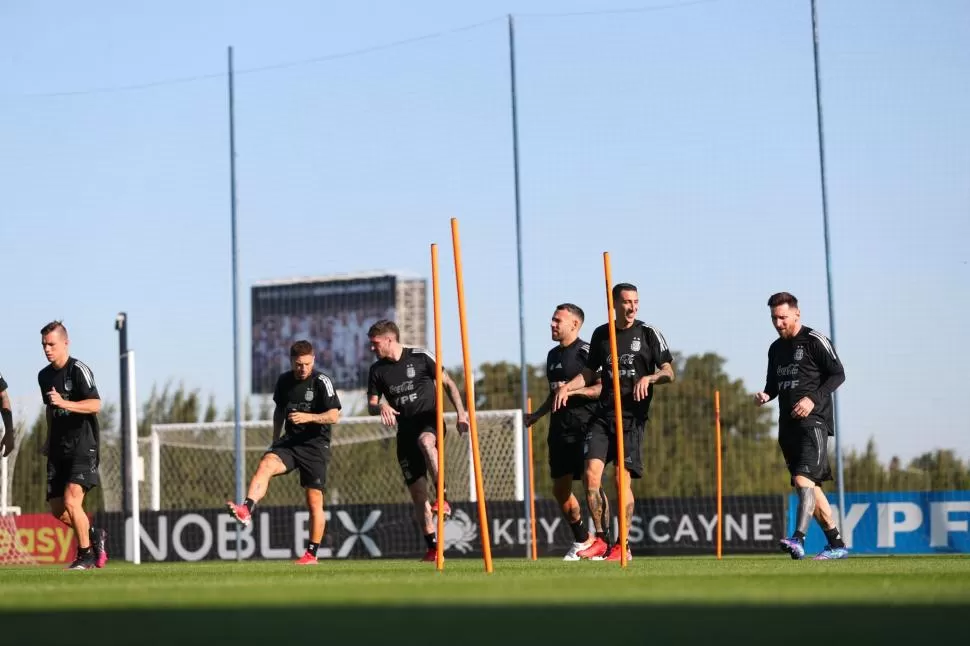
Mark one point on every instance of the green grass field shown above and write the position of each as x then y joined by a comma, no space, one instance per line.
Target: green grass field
655,600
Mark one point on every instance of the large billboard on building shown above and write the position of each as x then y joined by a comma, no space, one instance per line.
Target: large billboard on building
332,314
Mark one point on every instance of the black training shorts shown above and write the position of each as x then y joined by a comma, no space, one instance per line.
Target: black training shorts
567,444
309,453
72,458
601,442
409,454
805,447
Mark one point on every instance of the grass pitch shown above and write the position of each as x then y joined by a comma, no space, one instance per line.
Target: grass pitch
744,600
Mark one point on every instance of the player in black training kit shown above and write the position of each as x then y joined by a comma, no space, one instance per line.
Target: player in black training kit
306,406
645,360
405,378
567,426
72,447
6,414
803,372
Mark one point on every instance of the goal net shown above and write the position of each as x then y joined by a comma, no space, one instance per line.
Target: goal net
192,466
13,547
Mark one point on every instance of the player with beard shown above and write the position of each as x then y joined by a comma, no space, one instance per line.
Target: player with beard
567,426
645,361
803,372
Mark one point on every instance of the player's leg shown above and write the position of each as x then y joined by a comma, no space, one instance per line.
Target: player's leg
632,469
835,547
273,463
423,517
313,460
596,452
414,468
58,510
318,520
84,472
565,466
428,445
74,506
801,454
57,474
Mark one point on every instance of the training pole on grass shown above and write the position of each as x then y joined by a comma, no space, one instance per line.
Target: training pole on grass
439,411
618,410
532,485
717,460
470,400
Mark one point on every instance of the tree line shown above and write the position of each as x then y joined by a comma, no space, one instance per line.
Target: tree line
679,446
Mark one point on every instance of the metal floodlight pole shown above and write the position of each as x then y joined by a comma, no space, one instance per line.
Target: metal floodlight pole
524,370
839,465
121,325
236,387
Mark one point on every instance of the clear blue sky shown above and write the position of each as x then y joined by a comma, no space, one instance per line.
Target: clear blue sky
683,141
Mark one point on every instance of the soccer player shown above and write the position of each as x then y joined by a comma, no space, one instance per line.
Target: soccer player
405,377
567,426
6,414
72,446
306,406
803,372
645,360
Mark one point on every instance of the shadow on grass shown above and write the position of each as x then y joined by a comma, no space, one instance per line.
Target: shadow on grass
492,625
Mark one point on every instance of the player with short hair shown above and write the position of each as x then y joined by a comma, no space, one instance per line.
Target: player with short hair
306,406
405,378
567,426
72,446
803,372
6,414
645,360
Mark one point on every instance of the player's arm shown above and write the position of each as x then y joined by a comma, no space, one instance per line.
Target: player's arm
6,413
771,385
658,345
374,405
331,403
542,411
83,406
49,414
279,419
828,361
593,391
331,416
89,402
581,380
373,392
451,388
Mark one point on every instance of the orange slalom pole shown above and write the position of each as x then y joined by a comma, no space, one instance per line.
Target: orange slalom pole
717,448
617,407
470,397
532,484
439,411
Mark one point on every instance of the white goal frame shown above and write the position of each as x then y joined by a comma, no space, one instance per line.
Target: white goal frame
158,430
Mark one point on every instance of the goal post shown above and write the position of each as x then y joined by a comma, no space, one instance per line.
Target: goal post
191,466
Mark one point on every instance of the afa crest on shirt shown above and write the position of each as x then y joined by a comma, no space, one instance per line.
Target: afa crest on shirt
308,395
799,353
635,345
410,371
68,384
